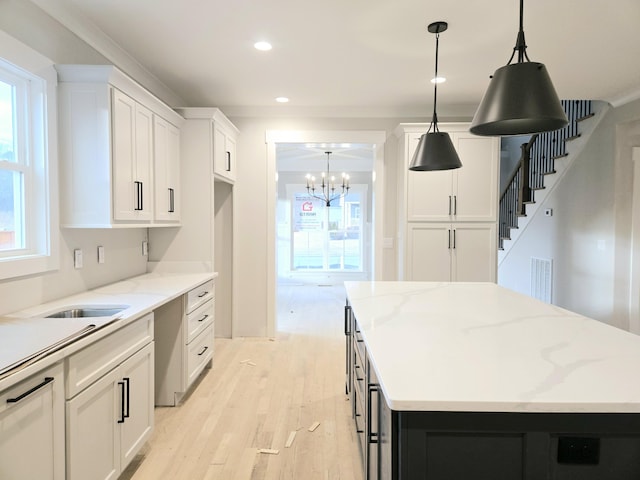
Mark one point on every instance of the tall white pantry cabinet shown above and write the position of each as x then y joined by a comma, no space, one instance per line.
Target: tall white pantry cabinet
447,219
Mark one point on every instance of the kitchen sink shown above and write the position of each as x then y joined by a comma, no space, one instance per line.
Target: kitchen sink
88,311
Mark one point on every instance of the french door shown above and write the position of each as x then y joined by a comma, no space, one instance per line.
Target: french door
328,238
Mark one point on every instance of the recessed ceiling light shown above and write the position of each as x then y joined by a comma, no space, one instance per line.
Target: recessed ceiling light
282,99
438,80
263,46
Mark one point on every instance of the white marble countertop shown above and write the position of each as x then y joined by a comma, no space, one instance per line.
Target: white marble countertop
27,331
482,348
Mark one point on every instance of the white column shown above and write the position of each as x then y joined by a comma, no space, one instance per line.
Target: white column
634,294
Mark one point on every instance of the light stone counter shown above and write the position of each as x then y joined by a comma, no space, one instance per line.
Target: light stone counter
142,294
479,347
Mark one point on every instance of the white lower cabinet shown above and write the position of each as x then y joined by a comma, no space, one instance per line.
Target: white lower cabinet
108,421
32,428
447,252
184,332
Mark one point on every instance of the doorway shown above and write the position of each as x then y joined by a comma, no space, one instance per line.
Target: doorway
326,245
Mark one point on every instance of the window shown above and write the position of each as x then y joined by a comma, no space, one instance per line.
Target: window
28,213
14,168
327,238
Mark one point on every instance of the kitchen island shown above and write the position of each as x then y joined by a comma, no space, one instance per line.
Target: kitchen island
471,380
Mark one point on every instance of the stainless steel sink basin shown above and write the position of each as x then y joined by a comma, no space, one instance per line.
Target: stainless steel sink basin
88,311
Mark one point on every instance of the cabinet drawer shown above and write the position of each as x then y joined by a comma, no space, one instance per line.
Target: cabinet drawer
199,295
199,319
86,366
200,351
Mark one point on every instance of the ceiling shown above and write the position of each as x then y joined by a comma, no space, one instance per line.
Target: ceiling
363,56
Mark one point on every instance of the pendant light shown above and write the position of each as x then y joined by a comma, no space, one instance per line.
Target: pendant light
520,98
435,150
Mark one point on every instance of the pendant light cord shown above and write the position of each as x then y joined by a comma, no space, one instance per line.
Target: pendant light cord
521,45
434,120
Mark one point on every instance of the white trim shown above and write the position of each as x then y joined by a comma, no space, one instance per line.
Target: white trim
272,137
45,254
634,286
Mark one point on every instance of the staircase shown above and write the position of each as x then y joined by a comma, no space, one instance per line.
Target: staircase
539,162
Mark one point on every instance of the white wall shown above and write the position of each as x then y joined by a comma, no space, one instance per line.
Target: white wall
251,203
588,236
124,259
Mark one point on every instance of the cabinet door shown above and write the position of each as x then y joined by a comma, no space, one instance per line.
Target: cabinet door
144,161
137,375
32,428
429,250
223,154
132,136
125,190
474,252
475,185
429,194
93,441
167,170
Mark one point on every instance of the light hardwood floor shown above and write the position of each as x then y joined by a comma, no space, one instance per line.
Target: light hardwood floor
257,393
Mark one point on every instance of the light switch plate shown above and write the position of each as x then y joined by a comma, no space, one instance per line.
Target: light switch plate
145,248
77,258
100,254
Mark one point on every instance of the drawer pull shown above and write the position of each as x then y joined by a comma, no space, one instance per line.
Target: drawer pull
46,381
203,318
122,401
202,294
126,382
203,350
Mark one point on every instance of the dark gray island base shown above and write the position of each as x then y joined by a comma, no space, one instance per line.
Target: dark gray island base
505,446
477,445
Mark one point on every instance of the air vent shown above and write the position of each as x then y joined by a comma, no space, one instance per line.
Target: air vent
541,275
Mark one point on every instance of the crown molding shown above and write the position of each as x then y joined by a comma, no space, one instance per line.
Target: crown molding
87,31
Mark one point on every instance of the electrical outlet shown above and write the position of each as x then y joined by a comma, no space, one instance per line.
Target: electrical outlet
100,254
77,258
548,212
145,248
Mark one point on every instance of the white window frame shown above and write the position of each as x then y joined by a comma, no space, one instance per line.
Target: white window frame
38,160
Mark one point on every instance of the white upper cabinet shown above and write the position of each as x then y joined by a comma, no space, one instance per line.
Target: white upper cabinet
116,166
224,148
132,136
167,171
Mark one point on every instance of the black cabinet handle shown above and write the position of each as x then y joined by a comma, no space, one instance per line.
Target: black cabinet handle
454,238
202,294
171,201
128,387
449,232
203,318
203,350
372,436
46,381
347,311
122,401
139,196
449,204
228,161
455,204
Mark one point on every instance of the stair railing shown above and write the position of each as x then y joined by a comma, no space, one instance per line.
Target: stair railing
537,160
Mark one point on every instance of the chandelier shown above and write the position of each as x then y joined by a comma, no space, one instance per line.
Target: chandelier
327,188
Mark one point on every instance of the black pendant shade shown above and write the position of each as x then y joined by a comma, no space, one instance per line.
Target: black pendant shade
435,150
520,99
